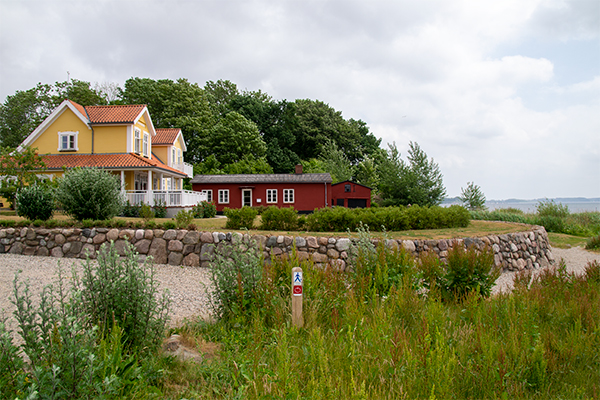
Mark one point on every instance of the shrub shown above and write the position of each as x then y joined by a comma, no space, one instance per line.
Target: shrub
184,218
169,225
160,208
69,356
465,272
35,202
592,271
236,273
279,219
146,212
548,208
240,218
204,209
123,291
593,243
131,210
90,193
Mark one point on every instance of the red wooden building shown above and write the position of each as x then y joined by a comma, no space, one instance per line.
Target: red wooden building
304,192
351,194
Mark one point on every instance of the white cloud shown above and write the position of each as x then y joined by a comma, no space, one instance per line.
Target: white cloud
424,71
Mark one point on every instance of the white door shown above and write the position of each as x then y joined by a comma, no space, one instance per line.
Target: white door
247,197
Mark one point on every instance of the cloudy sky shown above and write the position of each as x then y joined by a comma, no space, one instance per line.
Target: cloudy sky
502,93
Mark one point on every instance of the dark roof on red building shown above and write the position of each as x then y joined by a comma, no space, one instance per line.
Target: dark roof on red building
263,178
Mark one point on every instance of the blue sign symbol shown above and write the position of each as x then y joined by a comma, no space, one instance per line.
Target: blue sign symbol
298,277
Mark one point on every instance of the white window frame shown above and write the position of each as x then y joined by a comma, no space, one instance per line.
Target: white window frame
223,196
68,134
146,144
173,156
271,196
179,157
288,196
137,138
208,193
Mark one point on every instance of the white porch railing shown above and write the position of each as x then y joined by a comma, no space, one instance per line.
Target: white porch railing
170,198
186,168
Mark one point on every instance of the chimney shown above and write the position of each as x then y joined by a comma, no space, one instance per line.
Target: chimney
298,169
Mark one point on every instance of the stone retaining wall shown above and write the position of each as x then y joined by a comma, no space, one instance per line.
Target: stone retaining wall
512,251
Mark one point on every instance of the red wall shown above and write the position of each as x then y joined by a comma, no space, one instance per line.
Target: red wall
307,196
357,191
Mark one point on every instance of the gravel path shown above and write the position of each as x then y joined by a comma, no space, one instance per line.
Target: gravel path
187,285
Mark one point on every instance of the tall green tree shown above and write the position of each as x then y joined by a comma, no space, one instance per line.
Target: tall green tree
22,112
176,104
233,137
336,163
472,197
415,181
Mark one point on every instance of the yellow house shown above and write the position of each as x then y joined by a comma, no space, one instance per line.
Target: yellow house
122,140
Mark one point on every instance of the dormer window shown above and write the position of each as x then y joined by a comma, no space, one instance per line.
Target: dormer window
137,141
67,141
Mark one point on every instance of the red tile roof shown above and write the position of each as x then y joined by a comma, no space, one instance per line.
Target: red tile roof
79,108
114,114
165,136
108,161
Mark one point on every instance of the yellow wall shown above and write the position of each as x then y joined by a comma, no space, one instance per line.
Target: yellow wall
110,139
161,152
47,142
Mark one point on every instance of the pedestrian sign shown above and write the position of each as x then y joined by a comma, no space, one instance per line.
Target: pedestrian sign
297,284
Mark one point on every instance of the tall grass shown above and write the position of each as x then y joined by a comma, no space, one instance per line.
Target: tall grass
365,340
553,217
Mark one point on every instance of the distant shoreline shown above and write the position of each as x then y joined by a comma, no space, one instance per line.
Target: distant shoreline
575,204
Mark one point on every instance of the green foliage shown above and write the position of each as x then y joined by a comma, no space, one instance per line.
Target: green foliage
132,210
236,273
469,271
169,225
418,181
361,340
18,169
340,219
90,193
184,218
472,197
160,208
204,209
240,218
335,162
279,219
593,243
122,291
69,356
548,208
35,203
146,212
234,137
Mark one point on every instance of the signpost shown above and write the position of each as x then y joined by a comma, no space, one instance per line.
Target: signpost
297,291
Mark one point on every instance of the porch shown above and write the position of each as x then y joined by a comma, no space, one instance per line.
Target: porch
169,198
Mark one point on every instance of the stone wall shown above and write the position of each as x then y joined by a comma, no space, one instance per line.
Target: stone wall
512,251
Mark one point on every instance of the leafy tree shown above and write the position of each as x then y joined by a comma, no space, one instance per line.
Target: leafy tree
178,104
233,137
472,197
336,163
18,169
418,181
366,173
313,166
220,94
22,112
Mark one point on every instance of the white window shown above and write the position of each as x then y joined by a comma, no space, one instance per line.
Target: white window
223,196
288,195
172,156
67,141
271,195
208,193
146,144
137,140
179,157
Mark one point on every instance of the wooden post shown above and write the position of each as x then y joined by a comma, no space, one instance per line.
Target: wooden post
297,294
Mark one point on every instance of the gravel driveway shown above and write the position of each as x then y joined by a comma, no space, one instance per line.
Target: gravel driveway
187,285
